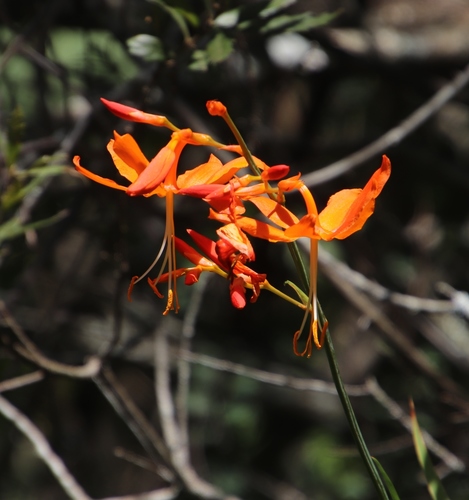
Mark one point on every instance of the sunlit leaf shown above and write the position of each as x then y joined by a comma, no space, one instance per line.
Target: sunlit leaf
309,22
179,16
275,6
219,48
14,227
227,19
200,61
148,47
298,22
434,485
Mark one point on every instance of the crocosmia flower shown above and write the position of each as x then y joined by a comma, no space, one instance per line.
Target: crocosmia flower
346,212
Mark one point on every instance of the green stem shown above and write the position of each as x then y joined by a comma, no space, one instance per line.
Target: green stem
246,153
343,396
334,367
350,414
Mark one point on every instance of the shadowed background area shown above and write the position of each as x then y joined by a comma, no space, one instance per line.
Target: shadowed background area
309,84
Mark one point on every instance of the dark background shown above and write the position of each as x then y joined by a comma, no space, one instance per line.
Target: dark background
65,283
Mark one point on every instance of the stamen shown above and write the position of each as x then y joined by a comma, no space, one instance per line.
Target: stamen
308,348
169,304
131,287
153,264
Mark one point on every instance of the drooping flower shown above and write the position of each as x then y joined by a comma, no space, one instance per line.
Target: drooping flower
223,259
159,176
346,212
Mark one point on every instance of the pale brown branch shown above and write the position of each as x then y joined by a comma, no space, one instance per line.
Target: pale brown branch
31,352
161,494
393,136
21,381
125,407
277,379
379,292
43,449
184,369
179,454
394,334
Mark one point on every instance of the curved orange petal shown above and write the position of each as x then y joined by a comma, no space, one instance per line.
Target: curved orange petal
157,169
274,211
212,172
347,211
127,149
305,228
96,178
254,227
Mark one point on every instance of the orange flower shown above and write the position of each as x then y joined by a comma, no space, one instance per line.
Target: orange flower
346,212
159,176
223,260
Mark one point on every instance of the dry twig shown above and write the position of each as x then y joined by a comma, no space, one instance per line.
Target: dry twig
393,136
43,449
30,351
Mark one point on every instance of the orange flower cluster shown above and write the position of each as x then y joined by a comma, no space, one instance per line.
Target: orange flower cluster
226,193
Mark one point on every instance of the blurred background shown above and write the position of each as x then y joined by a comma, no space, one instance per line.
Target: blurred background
308,83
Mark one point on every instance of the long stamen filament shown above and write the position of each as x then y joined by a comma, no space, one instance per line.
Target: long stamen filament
313,263
153,264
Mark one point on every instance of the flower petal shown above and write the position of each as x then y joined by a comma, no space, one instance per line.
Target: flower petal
254,227
133,114
347,211
274,211
157,169
208,246
127,150
96,178
238,293
237,241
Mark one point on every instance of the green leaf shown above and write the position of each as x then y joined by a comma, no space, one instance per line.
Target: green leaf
309,22
200,61
280,23
179,16
14,227
301,295
387,481
148,47
46,171
219,48
434,485
298,22
227,19
275,6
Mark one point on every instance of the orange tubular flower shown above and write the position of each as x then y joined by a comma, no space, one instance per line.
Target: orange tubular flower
135,115
159,176
346,212
221,261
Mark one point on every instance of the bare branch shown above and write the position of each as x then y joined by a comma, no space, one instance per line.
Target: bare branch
43,449
389,328
22,381
184,370
393,136
379,292
31,352
277,379
161,494
124,406
179,455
